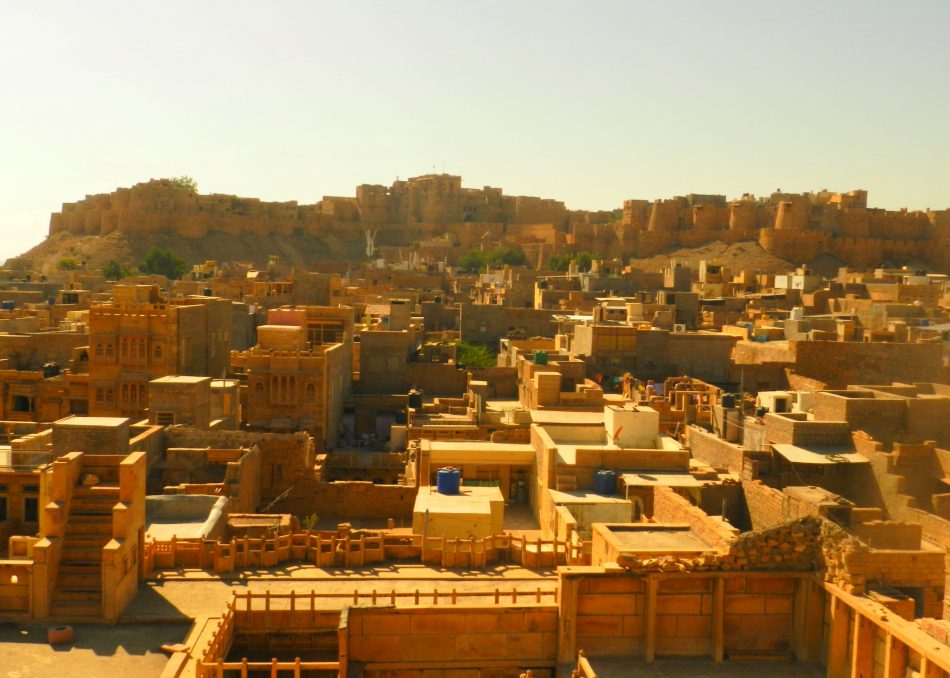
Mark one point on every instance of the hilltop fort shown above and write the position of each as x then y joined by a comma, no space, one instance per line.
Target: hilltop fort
435,212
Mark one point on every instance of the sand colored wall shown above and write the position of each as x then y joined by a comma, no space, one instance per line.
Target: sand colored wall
387,640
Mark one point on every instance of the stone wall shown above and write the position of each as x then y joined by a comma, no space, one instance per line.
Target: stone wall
472,639
792,227
713,450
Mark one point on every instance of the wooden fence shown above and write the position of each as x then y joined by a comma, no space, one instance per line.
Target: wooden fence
263,612
329,549
214,662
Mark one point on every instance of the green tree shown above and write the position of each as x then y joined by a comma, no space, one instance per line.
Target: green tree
113,270
477,260
67,264
475,355
185,182
584,261
561,262
472,262
160,261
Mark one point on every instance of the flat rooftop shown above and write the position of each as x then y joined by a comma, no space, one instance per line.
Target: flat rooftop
654,538
556,417
584,497
94,422
180,379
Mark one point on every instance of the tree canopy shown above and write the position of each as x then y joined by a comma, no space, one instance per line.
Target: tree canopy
475,355
164,262
185,182
477,260
113,270
561,262
67,264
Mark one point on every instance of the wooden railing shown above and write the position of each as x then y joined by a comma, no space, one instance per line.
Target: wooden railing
311,601
329,549
584,669
214,662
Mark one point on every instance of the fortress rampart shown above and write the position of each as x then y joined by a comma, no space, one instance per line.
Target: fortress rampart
795,227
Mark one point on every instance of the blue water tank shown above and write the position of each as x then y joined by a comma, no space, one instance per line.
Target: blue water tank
448,480
605,482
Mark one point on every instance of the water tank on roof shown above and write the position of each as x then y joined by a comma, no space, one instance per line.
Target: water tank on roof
605,482
415,399
728,400
540,357
448,480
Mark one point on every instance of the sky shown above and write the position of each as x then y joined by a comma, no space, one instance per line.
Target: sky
590,103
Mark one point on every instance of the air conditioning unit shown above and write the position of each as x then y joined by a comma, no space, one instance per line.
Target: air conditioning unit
679,327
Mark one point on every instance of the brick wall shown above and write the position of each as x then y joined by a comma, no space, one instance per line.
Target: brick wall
714,450
464,638
764,505
669,507
842,363
611,608
349,499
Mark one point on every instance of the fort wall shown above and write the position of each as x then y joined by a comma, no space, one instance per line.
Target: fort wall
795,227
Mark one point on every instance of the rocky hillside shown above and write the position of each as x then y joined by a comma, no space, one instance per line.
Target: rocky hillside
298,250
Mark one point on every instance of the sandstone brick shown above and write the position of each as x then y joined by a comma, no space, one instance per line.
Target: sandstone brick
540,621
524,646
615,585
632,625
778,604
439,622
679,604
745,604
600,625
770,585
431,647
693,625
395,623
481,646
606,604
380,648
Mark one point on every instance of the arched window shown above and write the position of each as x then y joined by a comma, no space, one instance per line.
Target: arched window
311,391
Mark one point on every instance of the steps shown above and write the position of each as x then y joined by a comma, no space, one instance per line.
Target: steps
565,483
77,595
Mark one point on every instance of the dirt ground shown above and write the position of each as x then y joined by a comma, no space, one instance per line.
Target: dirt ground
98,651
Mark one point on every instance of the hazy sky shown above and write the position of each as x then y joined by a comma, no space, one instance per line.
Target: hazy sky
586,102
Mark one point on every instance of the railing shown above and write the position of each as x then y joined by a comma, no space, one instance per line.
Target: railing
276,668
309,601
584,669
329,549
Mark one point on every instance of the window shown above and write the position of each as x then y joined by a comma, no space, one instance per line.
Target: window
31,504
158,352
3,503
165,418
98,349
22,403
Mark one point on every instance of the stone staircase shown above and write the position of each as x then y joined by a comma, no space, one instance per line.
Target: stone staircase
565,483
77,594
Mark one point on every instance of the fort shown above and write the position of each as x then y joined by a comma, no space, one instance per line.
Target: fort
435,207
